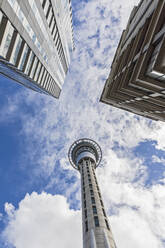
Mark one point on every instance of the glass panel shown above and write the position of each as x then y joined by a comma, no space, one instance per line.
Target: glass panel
37,72
9,31
21,15
94,210
45,80
40,75
53,87
51,23
29,63
55,36
50,16
107,224
86,226
33,67
54,29
11,2
96,221
48,85
43,77
1,15
17,46
93,200
24,55
46,7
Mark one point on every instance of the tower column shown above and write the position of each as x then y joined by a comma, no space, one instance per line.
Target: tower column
96,230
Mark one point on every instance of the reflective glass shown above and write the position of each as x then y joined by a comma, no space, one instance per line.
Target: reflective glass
94,210
52,27
16,49
50,16
48,85
33,67
40,75
96,221
29,63
24,55
1,15
54,30
51,24
46,6
37,71
9,30
43,77
21,15
34,37
56,38
12,2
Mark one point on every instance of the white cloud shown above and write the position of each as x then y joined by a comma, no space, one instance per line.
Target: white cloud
43,220
131,230
9,209
136,211
156,159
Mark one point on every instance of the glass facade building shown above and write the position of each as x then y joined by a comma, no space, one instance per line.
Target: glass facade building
136,82
36,43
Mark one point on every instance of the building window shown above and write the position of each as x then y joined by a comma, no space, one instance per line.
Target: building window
86,226
16,49
104,212
40,75
107,224
25,53
85,204
7,39
89,180
84,189
85,213
101,203
1,15
93,200
43,3
94,209
43,77
28,65
91,191
46,80
96,219
46,6
90,186
33,67
37,71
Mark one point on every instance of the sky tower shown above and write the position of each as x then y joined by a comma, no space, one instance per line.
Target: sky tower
85,155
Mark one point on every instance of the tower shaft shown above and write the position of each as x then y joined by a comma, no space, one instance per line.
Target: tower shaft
96,229
85,155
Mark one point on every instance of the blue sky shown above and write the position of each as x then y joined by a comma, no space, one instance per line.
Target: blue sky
40,191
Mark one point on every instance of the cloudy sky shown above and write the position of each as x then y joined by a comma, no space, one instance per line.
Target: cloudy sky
40,192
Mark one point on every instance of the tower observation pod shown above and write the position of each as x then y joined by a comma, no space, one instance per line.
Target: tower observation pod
85,156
